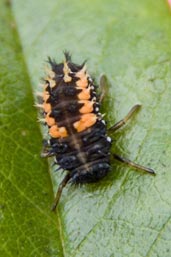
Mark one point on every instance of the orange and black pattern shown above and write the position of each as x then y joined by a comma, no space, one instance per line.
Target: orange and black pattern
77,132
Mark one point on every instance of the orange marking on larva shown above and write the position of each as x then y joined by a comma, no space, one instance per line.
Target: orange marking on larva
83,82
63,131
87,107
51,74
66,71
80,74
49,120
52,83
45,86
56,132
83,78
85,94
45,96
86,121
47,107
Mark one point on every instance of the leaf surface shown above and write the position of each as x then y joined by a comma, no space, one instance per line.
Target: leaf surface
129,212
27,227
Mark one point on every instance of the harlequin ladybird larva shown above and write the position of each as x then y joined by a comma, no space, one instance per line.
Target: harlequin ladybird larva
78,134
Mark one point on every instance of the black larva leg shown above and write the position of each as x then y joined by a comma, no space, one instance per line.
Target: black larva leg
47,153
47,150
103,87
133,164
59,191
122,122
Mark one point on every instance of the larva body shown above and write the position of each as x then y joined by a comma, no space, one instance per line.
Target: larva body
77,132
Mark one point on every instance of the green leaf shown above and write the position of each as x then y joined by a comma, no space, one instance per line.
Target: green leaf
128,213
27,227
